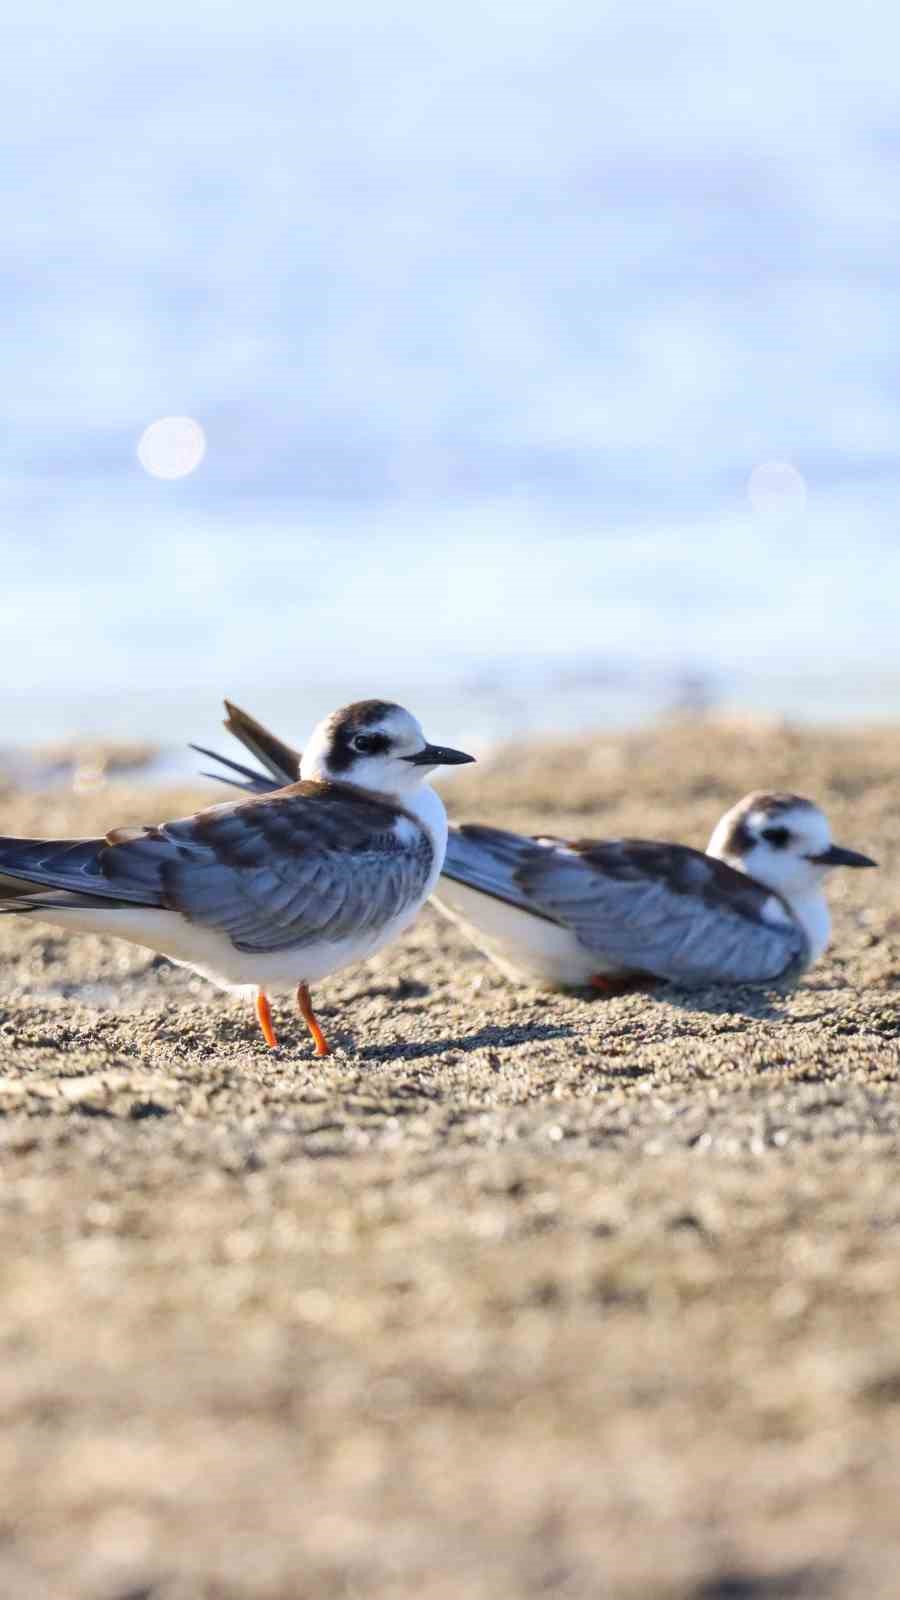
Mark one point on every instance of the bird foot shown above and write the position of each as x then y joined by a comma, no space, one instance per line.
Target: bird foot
610,986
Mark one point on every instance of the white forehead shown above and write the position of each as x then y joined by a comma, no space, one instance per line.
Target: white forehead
803,821
400,726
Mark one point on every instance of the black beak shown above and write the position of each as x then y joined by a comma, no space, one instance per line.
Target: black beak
438,755
837,856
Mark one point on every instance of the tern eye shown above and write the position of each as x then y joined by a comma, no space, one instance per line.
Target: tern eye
779,837
370,744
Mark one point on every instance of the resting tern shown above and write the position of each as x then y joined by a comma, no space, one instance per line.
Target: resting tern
570,913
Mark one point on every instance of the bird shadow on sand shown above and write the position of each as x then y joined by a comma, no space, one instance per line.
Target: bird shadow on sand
720,1000
391,989
507,1038
751,1005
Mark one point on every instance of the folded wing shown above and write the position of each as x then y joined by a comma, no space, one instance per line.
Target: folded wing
290,869
666,910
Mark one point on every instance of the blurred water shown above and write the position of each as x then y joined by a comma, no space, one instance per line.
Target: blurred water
546,361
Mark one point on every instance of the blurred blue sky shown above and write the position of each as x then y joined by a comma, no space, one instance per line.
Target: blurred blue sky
488,315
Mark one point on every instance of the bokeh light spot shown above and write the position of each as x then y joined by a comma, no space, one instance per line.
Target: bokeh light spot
172,447
776,488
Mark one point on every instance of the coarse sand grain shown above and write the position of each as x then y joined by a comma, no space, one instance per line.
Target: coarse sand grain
516,1295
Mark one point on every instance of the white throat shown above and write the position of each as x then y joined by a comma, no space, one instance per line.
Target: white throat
814,917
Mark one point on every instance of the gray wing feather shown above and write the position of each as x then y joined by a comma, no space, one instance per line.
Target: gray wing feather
278,758
248,780
293,868
490,859
74,866
282,763
304,864
664,909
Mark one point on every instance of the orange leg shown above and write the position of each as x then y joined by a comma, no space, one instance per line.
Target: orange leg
309,1017
622,985
264,1018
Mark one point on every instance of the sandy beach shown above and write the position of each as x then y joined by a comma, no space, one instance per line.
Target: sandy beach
517,1295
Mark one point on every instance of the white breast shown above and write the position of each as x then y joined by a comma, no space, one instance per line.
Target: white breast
814,917
427,807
